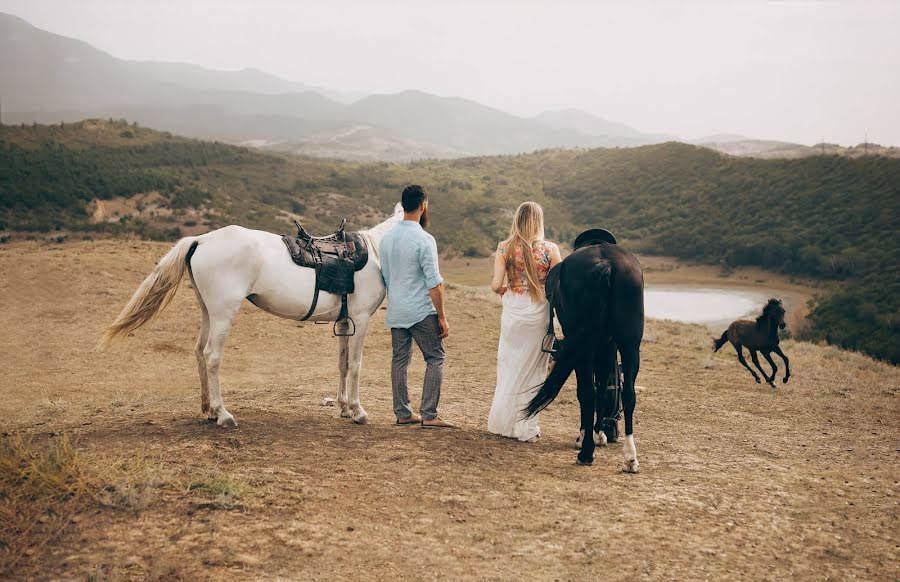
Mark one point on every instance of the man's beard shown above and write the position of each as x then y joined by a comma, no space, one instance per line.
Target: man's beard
423,220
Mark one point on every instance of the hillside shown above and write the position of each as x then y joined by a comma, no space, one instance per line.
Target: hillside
826,217
578,120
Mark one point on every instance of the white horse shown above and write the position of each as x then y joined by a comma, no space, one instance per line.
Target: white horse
234,263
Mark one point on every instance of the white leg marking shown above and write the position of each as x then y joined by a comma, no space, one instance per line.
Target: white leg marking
630,453
600,439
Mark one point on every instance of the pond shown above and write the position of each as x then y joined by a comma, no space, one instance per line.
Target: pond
704,305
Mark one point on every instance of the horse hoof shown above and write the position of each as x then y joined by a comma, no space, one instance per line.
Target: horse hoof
585,462
345,413
631,466
362,418
579,440
757,380
786,378
600,439
227,422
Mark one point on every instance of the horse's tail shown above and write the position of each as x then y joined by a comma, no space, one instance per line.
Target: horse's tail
718,343
154,294
576,344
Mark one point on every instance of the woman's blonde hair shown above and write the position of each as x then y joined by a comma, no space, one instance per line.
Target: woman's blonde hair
527,229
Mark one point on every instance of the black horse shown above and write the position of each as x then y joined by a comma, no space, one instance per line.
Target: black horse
758,336
599,297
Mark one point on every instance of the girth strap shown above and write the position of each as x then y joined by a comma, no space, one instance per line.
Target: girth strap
315,300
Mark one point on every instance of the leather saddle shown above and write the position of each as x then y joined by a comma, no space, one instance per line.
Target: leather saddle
336,258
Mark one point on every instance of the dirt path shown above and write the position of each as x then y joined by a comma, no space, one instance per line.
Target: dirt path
735,482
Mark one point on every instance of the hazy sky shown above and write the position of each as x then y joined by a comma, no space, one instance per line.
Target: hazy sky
799,70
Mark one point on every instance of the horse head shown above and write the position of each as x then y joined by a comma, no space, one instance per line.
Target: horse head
774,312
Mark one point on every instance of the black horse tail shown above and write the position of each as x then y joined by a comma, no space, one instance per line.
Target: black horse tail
575,346
718,343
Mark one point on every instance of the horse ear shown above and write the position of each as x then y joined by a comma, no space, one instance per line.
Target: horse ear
398,208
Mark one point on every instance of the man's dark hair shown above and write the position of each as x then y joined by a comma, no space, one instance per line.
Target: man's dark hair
413,197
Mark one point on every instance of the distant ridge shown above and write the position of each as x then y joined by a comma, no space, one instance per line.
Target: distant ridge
50,78
584,122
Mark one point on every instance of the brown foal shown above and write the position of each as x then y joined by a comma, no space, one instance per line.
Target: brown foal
758,336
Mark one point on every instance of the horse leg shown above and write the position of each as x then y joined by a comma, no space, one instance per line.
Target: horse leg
768,357
343,368
357,412
740,354
631,364
220,320
584,372
605,370
755,359
787,365
198,352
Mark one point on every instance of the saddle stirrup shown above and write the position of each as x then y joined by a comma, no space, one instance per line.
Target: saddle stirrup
344,314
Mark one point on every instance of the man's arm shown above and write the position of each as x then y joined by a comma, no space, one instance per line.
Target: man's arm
428,260
437,297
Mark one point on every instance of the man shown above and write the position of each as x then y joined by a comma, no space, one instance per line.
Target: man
409,266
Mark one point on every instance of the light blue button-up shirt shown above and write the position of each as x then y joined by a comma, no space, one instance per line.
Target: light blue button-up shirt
409,267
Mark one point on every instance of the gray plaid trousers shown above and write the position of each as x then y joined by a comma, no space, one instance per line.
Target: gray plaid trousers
426,333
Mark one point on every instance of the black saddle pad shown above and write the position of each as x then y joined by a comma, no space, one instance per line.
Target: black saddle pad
335,260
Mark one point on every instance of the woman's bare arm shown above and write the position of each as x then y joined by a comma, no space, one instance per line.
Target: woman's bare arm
498,282
555,257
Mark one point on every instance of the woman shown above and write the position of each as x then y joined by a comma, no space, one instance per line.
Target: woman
521,265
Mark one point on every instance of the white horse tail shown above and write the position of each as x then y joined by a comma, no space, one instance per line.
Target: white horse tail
155,292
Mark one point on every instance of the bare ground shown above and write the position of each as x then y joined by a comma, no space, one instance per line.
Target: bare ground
735,482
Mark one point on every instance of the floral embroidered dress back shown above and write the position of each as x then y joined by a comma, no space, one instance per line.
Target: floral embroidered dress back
521,365
518,280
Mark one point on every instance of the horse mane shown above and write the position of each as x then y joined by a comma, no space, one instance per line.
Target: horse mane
767,311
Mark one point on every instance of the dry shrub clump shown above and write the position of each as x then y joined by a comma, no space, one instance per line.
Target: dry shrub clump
45,483
220,491
42,487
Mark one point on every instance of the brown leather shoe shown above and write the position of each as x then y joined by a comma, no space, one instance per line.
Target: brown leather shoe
413,419
437,422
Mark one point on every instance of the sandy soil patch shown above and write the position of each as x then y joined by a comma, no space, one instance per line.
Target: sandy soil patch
736,482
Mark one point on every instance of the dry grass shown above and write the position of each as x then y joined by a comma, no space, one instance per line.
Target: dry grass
737,481
46,484
42,486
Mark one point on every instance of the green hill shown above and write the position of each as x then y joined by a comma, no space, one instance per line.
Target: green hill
827,217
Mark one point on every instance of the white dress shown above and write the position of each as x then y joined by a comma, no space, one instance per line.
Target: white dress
521,365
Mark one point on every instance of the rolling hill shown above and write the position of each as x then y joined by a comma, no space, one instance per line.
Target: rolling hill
831,218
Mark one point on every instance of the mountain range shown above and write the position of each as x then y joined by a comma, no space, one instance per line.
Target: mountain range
45,77
48,78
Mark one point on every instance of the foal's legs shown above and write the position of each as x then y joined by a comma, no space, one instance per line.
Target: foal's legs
357,412
768,357
343,358
761,371
221,317
584,372
787,366
631,364
740,353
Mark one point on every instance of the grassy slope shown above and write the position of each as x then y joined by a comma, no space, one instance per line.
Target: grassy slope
736,482
826,217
